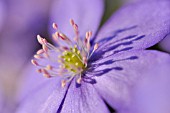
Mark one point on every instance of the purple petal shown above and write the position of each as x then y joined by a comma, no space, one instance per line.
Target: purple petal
2,12
139,25
151,94
1,100
24,20
83,99
121,76
86,13
30,78
42,97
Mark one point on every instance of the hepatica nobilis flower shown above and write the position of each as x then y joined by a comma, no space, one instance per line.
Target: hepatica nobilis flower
88,69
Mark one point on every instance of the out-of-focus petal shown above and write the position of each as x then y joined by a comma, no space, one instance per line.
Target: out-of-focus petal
23,21
83,99
41,97
86,13
121,77
139,25
1,100
29,81
2,14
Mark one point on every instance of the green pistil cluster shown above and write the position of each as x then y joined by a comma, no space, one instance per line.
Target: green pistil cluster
72,60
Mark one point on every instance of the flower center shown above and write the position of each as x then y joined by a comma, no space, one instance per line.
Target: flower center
72,60
69,59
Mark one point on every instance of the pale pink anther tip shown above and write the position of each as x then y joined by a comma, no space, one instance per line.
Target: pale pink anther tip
63,83
40,39
45,48
96,46
76,27
40,51
47,75
54,25
34,62
57,34
79,80
39,70
90,33
44,41
72,22
49,67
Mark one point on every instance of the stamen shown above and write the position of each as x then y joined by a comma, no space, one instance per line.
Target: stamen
85,61
38,56
94,49
40,51
79,80
34,62
39,38
63,83
45,48
55,26
49,67
72,22
45,73
39,70
73,57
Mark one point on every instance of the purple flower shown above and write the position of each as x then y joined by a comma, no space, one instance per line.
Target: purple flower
119,72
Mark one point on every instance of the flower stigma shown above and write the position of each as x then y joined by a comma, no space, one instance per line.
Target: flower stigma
69,59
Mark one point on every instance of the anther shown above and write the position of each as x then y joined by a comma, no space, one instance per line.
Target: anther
34,62
40,51
38,56
46,55
44,41
55,26
45,48
47,75
96,46
79,80
75,27
39,70
49,67
40,39
62,36
72,22
85,61
63,83
90,33
54,36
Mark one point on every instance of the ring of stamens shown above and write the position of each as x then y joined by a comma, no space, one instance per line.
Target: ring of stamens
73,58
